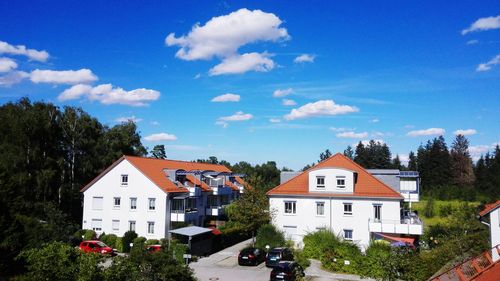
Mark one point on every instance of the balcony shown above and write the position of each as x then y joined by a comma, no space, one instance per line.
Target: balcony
411,226
410,197
194,191
221,190
215,211
183,215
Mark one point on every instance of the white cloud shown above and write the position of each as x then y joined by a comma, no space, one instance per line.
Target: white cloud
274,120
7,65
12,78
227,98
320,108
154,123
472,42
378,134
107,94
304,58
375,120
222,36
483,24
127,119
238,116
287,102
62,77
367,142
334,129
160,137
427,132
197,76
32,54
282,92
239,64
352,135
224,124
487,66
466,132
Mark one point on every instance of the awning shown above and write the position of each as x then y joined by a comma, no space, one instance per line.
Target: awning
406,240
190,231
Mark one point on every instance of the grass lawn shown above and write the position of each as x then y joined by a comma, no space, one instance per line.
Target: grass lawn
439,210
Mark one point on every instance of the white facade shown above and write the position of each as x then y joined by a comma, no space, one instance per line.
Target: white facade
495,232
139,187
306,218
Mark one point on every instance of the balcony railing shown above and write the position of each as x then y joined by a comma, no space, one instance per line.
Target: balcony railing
214,210
183,215
412,226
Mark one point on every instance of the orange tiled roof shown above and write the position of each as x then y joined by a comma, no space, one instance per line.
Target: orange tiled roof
366,185
489,207
153,169
196,181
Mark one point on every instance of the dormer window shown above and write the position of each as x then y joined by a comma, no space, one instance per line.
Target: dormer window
340,182
124,180
320,182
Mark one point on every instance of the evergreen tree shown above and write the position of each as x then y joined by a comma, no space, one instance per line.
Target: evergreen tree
348,152
158,152
462,172
324,155
434,164
362,157
396,163
412,162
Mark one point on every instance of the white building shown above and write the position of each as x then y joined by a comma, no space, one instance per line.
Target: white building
493,210
340,195
153,196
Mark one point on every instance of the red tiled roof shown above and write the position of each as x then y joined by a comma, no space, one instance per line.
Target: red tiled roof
489,207
366,185
197,182
153,169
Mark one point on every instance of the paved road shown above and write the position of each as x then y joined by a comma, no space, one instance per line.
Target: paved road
224,266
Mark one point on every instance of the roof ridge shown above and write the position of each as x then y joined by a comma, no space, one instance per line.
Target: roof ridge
172,160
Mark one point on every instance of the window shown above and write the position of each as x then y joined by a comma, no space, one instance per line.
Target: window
116,202
115,225
320,208
133,203
290,231
124,180
96,224
152,204
320,182
290,207
377,212
131,225
340,182
348,209
212,201
151,227
97,203
348,234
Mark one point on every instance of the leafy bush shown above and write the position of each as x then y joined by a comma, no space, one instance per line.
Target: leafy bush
128,238
121,269
317,243
152,242
269,235
445,210
140,240
119,244
301,258
109,239
335,258
232,233
89,234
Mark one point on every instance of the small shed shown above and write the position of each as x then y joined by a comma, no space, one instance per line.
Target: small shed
198,239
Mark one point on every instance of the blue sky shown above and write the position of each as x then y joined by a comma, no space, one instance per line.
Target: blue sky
398,71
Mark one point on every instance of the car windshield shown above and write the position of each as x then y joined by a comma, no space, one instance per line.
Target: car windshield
286,267
247,251
101,244
274,254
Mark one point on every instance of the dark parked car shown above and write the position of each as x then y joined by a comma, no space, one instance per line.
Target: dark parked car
278,254
287,270
251,256
95,246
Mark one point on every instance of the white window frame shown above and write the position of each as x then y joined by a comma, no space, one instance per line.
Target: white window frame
117,206
115,225
124,179
293,207
92,224
135,205
130,224
347,212
318,184
151,227
318,204
94,207
340,185
348,231
151,200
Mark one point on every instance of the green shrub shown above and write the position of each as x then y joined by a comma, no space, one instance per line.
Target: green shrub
429,208
317,243
140,240
445,210
335,258
269,235
119,244
128,238
376,262
153,242
121,269
232,233
109,239
301,258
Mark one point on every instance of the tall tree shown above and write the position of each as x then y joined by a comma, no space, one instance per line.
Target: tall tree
362,157
158,152
412,161
434,163
325,155
462,171
348,152
396,163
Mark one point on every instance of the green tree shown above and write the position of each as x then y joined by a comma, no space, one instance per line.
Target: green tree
462,170
324,155
158,152
348,152
250,211
412,161
268,235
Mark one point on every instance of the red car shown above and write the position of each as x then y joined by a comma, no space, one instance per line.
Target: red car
95,246
153,248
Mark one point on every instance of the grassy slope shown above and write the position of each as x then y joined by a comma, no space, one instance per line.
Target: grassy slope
438,204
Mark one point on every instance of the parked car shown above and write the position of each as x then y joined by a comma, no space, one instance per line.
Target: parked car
278,254
287,270
251,256
153,248
95,246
